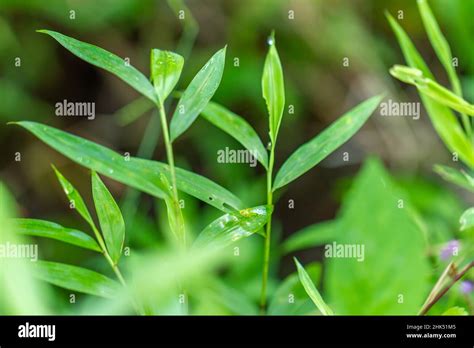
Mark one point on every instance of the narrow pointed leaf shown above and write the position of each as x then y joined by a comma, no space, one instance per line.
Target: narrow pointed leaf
197,94
432,89
75,198
317,149
76,279
443,119
47,229
455,176
108,61
110,218
166,69
273,88
139,173
311,290
238,128
467,219
231,227
175,215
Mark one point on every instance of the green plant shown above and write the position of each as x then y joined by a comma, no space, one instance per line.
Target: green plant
440,103
164,181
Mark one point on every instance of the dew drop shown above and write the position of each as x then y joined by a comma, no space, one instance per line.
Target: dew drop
270,41
111,171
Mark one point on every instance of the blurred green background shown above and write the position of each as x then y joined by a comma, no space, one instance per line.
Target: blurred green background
313,37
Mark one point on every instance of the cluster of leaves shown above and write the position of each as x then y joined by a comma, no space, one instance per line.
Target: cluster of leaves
155,177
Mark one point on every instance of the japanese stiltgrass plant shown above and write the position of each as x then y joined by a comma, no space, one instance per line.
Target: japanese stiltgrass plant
456,131
165,181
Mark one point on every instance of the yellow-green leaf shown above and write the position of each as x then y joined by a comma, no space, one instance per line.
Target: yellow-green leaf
165,69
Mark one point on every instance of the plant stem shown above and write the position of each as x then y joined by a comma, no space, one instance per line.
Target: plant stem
266,256
436,298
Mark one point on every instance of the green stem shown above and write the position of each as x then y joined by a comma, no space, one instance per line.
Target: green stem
268,234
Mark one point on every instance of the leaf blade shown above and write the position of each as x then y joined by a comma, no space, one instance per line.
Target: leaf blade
310,154
311,290
311,236
166,69
106,60
76,279
198,93
238,128
110,218
47,229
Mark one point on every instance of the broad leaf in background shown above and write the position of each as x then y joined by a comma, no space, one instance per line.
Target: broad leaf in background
139,173
317,149
273,88
165,69
312,236
455,311
75,198
110,218
443,119
47,229
311,290
238,128
231,227
290,298
377,217
108,61
467,219
455,176
76,279
197,94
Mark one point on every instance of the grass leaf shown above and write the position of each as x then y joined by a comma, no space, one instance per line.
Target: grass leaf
76,278
311,236
231,227
198,93
455,176
321,146
443,119
75,197
47,229
273,88
455,311
108,61
139,173
110,218
311,290
165,69
238,128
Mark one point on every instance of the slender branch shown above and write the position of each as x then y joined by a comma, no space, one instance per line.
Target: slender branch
266,257
436,298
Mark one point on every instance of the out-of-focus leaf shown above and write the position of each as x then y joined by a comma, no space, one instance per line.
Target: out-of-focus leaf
290,298
455,311
133,111
321,146
467,219
139,173
432,89
75,198
197,94
238,128
389,257
165,69
231,227
76,279
311,290
175,214
273,88
311,236
47,229
443,119
455,176
110,218
108,61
